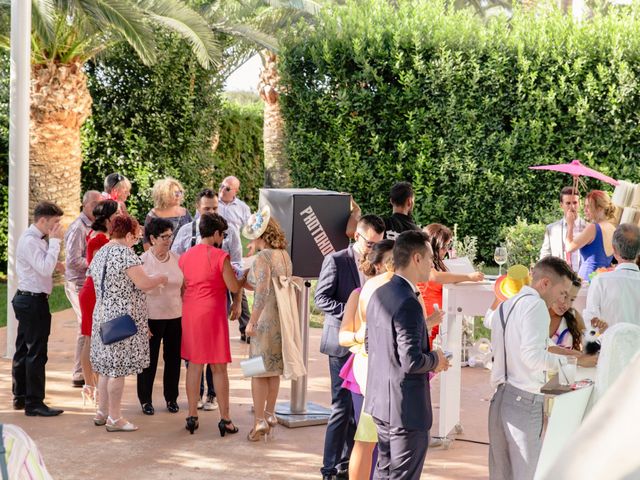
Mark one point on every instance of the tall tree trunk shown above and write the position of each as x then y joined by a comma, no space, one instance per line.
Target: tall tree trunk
60,103
276,165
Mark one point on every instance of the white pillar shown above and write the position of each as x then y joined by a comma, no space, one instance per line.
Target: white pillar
18,148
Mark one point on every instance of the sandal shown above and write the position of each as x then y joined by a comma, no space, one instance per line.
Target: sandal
112,425
100,419
223,427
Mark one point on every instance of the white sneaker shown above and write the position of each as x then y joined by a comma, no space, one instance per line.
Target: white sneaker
211,404
200,404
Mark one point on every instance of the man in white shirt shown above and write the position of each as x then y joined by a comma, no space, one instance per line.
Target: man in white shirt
36,260
555,233
237,214
519,335
75,246
614,297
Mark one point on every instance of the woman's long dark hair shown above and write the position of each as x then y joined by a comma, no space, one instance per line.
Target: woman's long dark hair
375,257
570,316
439,238
102,212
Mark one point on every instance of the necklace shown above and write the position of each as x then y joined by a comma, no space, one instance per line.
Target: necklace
163,259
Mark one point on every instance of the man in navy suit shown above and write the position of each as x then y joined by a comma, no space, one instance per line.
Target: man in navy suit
398,395
338,278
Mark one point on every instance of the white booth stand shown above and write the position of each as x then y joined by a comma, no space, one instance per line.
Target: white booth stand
458,300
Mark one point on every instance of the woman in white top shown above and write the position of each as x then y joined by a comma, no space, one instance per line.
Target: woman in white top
165,312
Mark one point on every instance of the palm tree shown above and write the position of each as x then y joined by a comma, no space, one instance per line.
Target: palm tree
255,24
67,33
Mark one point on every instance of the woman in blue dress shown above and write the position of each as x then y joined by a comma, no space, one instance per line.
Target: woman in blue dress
594,242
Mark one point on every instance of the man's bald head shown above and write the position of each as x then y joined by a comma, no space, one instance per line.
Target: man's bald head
229,189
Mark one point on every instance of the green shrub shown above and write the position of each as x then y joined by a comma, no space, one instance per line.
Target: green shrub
151,122
240,148
378,91
4,158
523,241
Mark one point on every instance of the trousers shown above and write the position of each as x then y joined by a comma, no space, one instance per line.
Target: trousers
515,433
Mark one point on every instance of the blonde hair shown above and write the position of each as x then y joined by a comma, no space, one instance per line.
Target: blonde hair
163,192
274,236
600,200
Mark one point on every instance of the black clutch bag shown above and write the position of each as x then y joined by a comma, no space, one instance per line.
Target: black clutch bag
117,328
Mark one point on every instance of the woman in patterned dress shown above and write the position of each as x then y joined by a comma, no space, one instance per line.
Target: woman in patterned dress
264,325
120,282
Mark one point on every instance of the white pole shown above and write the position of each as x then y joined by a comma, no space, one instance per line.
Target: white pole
18,148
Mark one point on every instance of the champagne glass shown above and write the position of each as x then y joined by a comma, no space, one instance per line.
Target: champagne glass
500,257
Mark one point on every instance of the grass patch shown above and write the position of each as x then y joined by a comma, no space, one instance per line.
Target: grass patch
57,301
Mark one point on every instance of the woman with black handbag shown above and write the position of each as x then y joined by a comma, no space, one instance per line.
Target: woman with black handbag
120,335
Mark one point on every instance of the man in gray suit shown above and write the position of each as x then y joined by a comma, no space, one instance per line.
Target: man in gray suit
398,395
555,233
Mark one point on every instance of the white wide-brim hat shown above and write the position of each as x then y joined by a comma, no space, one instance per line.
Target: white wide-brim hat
257,223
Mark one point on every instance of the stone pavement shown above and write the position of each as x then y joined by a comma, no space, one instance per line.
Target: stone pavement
73,448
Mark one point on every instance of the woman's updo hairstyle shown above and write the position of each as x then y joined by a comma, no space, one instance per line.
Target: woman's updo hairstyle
210,223
600,200
123,224
375,257
102,212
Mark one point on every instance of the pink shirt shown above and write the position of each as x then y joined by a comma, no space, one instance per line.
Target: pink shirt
165,302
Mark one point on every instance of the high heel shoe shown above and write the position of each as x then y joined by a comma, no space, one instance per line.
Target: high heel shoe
89,393
259,431
222,426
192,424
272,420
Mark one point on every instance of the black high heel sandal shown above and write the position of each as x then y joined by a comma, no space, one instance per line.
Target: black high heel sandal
192,424
222,426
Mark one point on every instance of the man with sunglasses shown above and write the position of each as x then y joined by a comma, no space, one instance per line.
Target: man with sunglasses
339,276
237,214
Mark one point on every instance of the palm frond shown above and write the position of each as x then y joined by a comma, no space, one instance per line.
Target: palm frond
252,35
43,19
306,7
124,17
178,17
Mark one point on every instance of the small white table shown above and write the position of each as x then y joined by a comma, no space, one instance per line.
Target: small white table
471,299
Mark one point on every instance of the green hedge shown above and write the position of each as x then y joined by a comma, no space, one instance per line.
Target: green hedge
381,91
151,122
240,148
4,158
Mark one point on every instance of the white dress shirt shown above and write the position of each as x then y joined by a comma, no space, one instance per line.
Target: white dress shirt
615,296
527,338
36,260
236,212
75,246
554,242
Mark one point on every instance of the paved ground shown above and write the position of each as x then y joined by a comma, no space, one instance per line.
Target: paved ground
75,449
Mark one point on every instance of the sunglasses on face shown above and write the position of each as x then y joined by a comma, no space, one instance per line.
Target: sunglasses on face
224,187
178,193
166,236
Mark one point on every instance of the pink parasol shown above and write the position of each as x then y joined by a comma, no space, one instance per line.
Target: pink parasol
576,169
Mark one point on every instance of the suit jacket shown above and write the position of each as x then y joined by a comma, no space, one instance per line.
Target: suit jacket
554,241
338,278
399,358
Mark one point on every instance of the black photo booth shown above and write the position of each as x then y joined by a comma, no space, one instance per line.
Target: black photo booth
314,222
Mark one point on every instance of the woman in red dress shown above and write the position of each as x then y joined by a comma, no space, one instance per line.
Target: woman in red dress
205,329
440,238
97,237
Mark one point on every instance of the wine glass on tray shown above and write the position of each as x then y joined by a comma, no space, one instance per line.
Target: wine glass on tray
500,257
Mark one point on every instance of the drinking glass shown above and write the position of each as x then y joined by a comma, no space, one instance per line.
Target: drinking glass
567,370
500,257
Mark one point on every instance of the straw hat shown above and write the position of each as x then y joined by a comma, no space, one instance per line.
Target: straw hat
257,223
508,285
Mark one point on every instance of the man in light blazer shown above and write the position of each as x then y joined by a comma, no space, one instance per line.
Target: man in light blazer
555,233
398,395
339,277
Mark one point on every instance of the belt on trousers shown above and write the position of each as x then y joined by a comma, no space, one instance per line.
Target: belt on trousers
32,294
